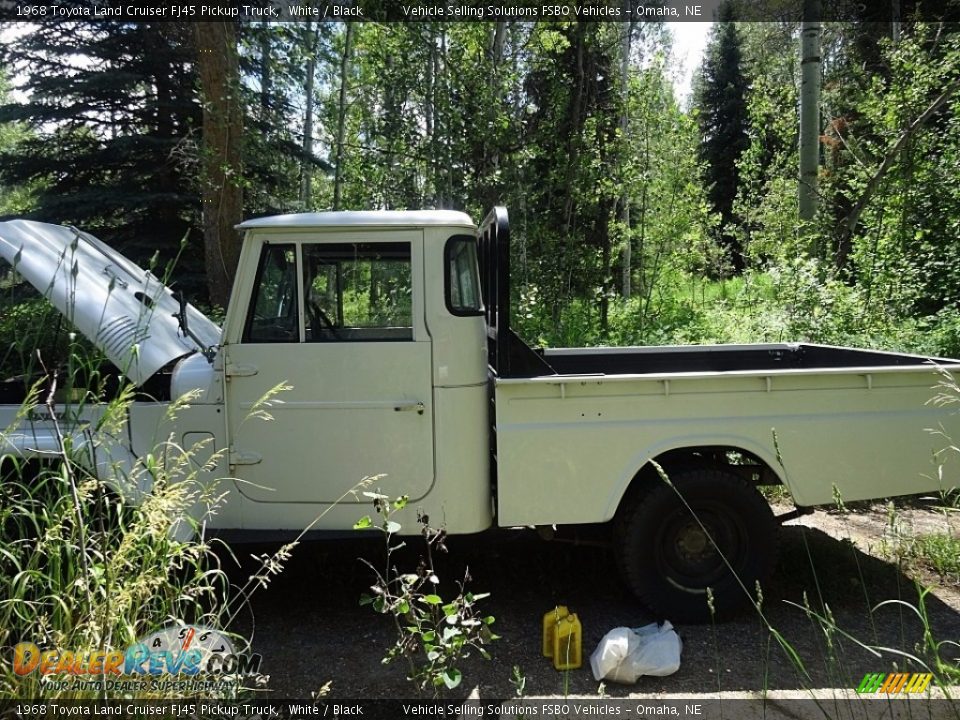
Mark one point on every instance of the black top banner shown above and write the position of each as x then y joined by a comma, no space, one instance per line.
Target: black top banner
639,11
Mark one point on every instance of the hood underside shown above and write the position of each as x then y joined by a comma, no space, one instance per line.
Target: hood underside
124,310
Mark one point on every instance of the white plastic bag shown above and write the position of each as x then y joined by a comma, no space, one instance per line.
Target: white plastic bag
624,654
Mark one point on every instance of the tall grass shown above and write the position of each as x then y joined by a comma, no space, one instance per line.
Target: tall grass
83,569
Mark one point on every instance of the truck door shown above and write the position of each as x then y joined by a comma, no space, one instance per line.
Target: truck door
340,319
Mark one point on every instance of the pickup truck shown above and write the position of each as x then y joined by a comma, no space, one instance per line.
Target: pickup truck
392,332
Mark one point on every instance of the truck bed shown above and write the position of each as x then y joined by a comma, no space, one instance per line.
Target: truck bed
828,422
721,358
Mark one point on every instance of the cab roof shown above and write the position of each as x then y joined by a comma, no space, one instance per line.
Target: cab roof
367,218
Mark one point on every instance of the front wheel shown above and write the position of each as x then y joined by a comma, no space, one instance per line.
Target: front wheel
669,556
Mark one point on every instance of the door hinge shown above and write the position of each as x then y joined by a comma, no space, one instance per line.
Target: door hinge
241,370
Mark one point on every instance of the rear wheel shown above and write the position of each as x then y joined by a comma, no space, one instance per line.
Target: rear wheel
669,556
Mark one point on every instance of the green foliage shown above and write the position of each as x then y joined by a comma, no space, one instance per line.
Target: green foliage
939,552
903,251
626,209
14,199
434,636
274,58
31,331
766,200
36,340
801,301
99,558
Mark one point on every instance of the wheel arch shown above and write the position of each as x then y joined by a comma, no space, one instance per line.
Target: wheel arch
681,454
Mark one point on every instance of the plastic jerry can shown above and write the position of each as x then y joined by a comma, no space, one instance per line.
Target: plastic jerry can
550,620
567,643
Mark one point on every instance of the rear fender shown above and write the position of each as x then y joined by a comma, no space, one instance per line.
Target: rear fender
643,458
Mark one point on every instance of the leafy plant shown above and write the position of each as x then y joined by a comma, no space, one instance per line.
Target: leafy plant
434,636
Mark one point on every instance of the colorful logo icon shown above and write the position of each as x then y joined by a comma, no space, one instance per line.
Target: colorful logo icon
894,683
173,650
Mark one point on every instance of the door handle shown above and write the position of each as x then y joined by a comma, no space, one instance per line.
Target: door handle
407,407
245,457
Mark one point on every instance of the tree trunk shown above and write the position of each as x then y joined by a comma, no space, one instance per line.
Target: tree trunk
809,111
895,21
576,122
627,268
219,71
492,143
431,170
342,114
306,160
447,139
266,79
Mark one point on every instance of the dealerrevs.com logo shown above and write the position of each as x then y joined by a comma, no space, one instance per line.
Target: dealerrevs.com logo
894,683
177,657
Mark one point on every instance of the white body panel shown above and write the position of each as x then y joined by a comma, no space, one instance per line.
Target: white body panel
567,448
352,412
124,310
118,457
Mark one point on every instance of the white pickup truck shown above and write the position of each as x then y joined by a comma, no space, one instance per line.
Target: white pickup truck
392,328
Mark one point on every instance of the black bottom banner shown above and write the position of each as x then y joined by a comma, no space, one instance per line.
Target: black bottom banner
845,708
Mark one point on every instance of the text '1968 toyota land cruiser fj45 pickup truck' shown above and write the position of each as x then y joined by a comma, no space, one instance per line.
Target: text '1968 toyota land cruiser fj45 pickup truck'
393,331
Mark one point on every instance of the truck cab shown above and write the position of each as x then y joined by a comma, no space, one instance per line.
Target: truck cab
375,324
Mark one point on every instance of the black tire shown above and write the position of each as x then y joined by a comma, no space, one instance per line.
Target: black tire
668,561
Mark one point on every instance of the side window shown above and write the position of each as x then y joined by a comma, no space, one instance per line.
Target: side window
273,315
357,292
462,276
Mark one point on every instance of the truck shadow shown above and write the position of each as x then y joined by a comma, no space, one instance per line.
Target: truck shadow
312,611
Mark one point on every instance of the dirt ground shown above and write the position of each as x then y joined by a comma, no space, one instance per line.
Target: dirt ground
310,629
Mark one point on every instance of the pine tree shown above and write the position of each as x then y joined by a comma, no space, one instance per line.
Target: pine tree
13,199
116,120
721,100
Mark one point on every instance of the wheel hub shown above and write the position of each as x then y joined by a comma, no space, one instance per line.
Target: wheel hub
692,543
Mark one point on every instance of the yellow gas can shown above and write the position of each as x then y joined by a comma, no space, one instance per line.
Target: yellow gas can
550,620
568,643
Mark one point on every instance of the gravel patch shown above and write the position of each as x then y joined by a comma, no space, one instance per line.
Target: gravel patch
311,630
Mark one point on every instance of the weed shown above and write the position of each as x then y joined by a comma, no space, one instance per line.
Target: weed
433,635
711,606
775,493
838,500
518,680
938,552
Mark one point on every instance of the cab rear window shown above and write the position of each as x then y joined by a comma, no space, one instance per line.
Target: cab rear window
462,276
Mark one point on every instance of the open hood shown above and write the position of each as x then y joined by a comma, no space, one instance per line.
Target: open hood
124,310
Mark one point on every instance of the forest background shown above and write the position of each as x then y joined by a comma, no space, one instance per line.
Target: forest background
637,218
